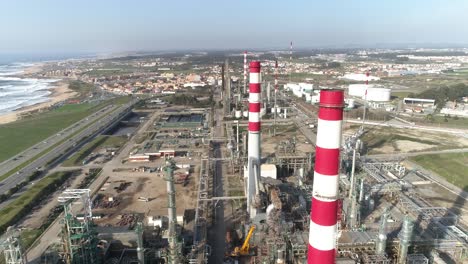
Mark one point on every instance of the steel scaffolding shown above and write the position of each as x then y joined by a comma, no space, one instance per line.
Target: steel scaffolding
11,246
78,236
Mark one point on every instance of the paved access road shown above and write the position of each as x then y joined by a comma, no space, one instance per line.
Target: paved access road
101,122
27,154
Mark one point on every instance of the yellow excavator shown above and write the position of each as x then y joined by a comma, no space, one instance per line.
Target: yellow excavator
245,249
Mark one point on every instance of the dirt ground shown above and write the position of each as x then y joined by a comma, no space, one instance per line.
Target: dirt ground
40,213
443,198
392,140
269,142
144,184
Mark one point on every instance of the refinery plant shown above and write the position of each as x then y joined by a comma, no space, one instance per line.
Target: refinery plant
270,173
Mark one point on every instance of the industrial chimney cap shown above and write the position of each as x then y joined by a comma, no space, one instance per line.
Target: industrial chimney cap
254,66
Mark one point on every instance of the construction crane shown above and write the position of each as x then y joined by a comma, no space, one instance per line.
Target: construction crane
245,249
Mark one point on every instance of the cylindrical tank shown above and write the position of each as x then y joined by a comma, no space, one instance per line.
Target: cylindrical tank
238,113
358,90
378,94
278,110
245,113
262,111
285,113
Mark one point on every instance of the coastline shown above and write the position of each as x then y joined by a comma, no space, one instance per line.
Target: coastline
59,92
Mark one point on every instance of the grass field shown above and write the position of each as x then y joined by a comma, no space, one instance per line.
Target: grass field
99,142
452,166
400,94
21,205
18,136
442,121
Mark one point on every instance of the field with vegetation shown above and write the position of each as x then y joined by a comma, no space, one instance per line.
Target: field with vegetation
99,142
452,166
20,135
380,140
24,203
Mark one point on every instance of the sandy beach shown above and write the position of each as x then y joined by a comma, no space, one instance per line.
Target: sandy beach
60,92
33,69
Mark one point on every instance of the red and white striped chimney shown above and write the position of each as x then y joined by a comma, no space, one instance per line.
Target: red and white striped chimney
323,217
254,133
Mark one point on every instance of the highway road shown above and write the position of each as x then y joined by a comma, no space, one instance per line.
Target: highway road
101,123
52,234
15,161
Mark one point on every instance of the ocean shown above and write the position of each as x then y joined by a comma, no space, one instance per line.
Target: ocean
16,92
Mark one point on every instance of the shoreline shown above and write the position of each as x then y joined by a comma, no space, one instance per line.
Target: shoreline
59,92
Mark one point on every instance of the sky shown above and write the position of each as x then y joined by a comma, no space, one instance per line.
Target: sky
58,26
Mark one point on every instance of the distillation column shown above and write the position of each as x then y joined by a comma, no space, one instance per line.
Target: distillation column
405,239
254,159
323,219
382,237
140,246
174,254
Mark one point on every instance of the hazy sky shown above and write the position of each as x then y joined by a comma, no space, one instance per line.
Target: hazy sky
114,25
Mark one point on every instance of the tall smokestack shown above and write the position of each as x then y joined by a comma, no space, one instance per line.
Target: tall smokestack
274,104
365,98
323,218
290,61
290,52
245,72
254,134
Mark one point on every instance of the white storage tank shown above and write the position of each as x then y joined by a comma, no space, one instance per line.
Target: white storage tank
374,93
262,111
378,94
358,90
238,114
278,110
245,113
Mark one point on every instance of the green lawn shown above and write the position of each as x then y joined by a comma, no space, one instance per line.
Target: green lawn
23,204
401,94
452,166
20,135
99,142
442,121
